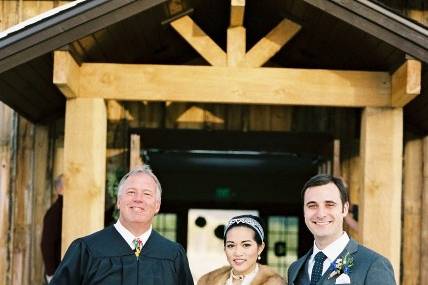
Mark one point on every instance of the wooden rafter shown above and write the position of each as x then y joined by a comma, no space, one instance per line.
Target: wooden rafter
200,41
406,83
268,46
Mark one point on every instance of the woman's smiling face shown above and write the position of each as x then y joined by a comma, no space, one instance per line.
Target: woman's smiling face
242,249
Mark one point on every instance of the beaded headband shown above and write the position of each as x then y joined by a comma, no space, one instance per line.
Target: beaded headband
248,221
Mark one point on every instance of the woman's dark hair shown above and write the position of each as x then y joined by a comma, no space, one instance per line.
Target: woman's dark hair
323,179
257,236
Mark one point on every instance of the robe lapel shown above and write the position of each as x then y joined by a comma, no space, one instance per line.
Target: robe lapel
351,247
299,264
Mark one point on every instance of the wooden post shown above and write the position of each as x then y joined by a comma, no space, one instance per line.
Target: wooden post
424,221
380,198
84,168
236,38
237,11
412,194
236,35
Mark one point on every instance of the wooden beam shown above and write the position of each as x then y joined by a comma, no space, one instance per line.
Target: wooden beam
424,215
84,168
274,86
406,83
66,74
236,39
381,162
200,41
237,10
268,46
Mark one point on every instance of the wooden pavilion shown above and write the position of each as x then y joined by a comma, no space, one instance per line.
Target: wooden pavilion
342,83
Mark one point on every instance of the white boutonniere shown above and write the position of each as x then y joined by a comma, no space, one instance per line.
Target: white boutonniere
341,268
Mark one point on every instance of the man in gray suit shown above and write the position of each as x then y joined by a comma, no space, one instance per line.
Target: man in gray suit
334,258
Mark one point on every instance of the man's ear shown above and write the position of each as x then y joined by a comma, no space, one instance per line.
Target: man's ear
345,209
158,203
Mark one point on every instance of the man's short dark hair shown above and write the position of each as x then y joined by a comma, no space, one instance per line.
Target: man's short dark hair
323,179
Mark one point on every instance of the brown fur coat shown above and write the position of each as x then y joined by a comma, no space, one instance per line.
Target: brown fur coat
265,276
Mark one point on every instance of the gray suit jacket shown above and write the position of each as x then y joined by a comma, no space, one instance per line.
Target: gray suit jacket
369,268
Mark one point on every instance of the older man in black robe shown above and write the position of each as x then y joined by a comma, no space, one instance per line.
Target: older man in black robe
128,252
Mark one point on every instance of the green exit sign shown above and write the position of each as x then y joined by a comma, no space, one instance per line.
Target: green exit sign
222,193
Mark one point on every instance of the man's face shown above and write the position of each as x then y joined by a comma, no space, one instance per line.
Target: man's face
324,213
138,202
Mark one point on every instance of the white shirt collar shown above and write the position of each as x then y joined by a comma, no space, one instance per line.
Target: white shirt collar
129,237
332,252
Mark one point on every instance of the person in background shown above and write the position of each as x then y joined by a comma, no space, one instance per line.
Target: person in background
51,233
243,244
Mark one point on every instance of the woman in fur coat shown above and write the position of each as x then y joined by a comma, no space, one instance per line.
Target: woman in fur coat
243,244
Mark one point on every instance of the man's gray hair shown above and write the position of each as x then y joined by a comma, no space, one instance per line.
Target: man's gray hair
142,169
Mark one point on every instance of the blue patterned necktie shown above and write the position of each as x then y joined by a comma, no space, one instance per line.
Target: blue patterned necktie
317,269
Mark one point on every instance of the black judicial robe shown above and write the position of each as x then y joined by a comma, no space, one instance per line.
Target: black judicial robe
105,258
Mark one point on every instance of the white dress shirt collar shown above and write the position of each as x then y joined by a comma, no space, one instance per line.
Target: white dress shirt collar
129,237
332,252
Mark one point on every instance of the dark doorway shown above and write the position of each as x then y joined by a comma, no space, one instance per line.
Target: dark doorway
234,170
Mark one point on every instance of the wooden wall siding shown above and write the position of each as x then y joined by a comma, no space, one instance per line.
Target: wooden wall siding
424,215
20,259
6,161
418,10
342,123
22,196
412,195
42,197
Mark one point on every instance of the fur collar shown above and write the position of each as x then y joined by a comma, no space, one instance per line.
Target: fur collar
265,276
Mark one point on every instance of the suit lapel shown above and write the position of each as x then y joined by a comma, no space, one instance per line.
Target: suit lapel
351,247
299,264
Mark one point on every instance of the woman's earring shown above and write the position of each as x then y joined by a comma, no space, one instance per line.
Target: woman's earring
259,257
